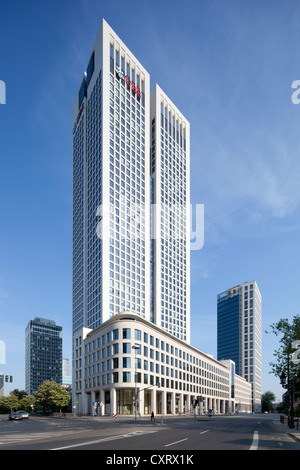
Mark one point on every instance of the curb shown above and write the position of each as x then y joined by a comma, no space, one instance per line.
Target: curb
294,436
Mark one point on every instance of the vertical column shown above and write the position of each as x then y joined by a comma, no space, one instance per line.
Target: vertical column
193,401
164,403
209,404
102,407
180,403
173,403
221,406
93,399
186,403
113,401
141,402
153,401
87,403
77,403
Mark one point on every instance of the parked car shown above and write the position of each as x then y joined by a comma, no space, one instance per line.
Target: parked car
24,414
15,416
209,413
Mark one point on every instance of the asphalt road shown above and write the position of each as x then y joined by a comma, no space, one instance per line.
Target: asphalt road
175,436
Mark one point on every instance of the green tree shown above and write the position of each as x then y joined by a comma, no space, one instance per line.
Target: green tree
11,402
2,405
27,402
289,333
267,400
19,393
51,395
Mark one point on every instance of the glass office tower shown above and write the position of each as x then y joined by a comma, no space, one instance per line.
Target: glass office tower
230,328
239,333
43,353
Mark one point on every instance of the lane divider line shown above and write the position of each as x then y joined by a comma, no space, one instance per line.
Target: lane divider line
173,443
105,439
255,441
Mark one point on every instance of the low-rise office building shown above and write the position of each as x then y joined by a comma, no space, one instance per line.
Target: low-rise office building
130,366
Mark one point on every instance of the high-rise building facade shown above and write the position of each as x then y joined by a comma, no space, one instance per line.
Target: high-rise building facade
131,246
111,186
239,333
130,223
170,240
66,377
43,353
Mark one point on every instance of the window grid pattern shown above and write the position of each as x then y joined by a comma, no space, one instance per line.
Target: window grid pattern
94,199
108,359
127,194
171,190
78,223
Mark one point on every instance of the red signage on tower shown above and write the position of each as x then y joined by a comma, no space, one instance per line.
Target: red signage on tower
131,85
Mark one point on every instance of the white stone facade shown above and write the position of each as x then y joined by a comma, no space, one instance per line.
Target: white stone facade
164,374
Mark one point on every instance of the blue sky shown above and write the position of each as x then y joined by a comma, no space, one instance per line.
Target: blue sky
228,66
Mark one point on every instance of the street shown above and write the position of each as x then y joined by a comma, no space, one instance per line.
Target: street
167,434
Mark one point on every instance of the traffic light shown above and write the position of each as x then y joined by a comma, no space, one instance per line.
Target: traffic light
8,378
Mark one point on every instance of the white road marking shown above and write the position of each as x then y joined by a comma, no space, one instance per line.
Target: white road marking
203,432
173,443
9,439
255,441
105,439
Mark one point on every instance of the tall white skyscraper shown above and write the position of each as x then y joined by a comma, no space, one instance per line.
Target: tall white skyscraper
111,225
130,229
170,164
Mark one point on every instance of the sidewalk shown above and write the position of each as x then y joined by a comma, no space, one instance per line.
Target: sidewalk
293,432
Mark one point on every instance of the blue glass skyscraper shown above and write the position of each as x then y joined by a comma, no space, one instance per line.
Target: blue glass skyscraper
239,333
230,328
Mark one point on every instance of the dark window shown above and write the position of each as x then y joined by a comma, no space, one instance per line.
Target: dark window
90,69
82,92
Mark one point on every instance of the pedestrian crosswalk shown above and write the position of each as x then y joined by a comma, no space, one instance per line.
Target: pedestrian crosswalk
6,439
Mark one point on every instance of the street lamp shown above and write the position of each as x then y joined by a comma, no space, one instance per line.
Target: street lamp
136,347
289,385
282,379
